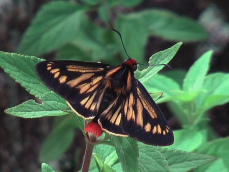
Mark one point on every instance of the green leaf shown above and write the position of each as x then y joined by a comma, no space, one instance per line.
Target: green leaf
52,105
101,165
180,161
134,35
93,165
107,155
103,150
71,52
99,162
176,74
92,2
46,168
218,165
55,25
70,121
195,77
59,140
151,160
79,121
216,84
177,109
170,26
188,139
214,100
90,46
214,92
161,83
102,13
218,147
22,69
117,167
127,150
125,3
111,159
162,57
98,45
184,97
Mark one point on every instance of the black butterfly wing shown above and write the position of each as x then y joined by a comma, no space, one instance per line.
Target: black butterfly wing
80,83
143,120
122,111
111,118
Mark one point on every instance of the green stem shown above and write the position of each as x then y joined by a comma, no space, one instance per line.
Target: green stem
87,156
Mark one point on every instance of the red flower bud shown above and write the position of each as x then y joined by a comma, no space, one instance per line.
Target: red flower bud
94,129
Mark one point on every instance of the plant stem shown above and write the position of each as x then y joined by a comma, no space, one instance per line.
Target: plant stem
87,156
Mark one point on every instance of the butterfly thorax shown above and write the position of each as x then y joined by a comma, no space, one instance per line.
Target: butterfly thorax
120,79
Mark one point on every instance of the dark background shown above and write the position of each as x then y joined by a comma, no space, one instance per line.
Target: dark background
21,139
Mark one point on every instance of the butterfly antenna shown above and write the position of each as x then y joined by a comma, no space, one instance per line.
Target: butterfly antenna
165,65
122,42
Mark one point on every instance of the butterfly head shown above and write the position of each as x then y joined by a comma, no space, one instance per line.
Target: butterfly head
132,63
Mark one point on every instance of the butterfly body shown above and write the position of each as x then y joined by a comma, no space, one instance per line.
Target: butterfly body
111,96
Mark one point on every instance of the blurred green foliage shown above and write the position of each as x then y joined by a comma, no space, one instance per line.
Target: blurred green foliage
66,28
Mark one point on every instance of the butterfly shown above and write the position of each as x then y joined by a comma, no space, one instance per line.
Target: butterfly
110,96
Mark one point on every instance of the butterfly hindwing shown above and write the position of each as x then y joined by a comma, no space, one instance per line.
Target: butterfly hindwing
77,82
143,120
111,117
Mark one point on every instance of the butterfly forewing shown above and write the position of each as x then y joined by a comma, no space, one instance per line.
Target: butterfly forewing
80,83
143,120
